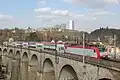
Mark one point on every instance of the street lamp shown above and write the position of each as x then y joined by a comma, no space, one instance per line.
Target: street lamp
84,66
56,58
14,33
83,48
45,37
115,46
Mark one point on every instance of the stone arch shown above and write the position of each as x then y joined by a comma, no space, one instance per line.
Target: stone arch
17,54
34,60
25,57
48,70
10,64
67,73
105,79
4,51
16,66
24,67
33,67
10,53
0,51
4,58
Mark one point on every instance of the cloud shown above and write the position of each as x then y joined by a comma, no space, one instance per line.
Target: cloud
43,10
93,3
42,2
5,20
51,11
9,21
94,18
53,16
50,15
100,13
112,1
56,14
47,15
4,17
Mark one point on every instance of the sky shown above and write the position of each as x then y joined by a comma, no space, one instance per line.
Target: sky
88,15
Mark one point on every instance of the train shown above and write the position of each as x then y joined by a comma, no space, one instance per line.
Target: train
91,51
63,47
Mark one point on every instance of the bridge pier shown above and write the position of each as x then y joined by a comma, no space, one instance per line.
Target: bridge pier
39,75
33,73
14,70
4,58
18,69
24,70
48,76
48,70
9,66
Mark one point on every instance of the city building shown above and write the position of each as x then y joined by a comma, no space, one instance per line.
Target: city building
71,25
58,27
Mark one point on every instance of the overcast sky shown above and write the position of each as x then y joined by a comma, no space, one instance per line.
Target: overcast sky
87,14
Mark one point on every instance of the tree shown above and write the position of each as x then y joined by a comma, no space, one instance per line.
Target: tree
107,27
32,37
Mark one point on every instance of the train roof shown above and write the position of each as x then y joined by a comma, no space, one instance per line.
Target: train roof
53,42
86,47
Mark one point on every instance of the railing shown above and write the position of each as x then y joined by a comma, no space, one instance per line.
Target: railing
110,64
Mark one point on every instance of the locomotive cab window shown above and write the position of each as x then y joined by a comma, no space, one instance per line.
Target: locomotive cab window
102,49
93,51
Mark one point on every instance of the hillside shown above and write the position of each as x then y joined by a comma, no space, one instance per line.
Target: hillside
105,35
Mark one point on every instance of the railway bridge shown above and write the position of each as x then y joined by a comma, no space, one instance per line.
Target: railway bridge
32,64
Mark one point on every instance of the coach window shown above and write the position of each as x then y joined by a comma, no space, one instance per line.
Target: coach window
62,48
59,49
39,46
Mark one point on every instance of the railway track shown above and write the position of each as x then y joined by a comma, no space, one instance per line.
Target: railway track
112,64
114,60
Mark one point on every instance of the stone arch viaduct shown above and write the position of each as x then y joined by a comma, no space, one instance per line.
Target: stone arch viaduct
31,64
